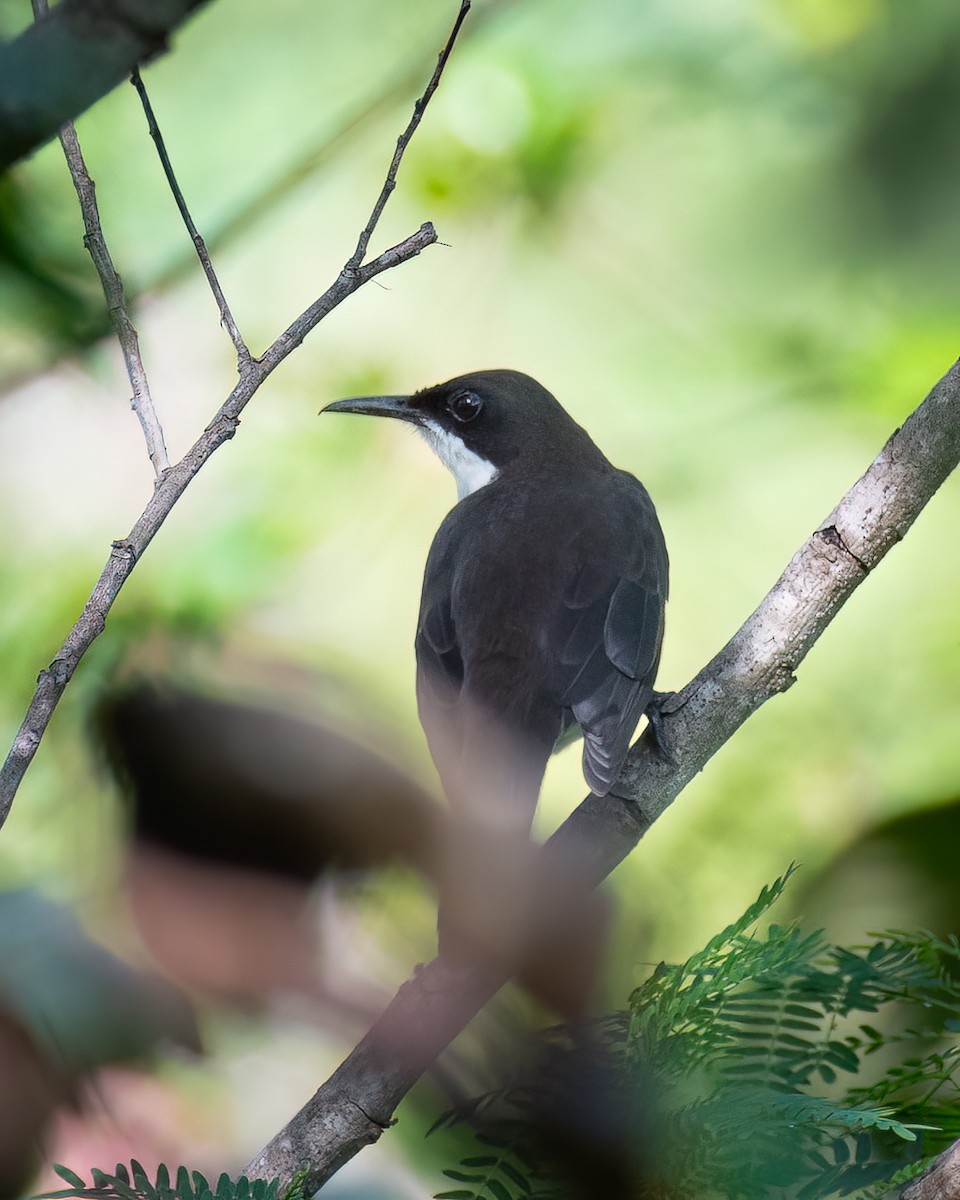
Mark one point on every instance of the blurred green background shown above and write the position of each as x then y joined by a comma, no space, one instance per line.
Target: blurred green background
722,232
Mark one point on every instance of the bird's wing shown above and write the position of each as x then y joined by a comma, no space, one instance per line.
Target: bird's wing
606,641
439,682
438,652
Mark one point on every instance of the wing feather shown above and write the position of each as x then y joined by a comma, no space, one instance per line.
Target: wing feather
606,637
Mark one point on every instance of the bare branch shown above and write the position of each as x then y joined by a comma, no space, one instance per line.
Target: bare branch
81,50
404,139
170,487
357,1103
126,552
259,203
226,316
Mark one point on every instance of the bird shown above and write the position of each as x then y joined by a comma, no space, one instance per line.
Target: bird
542,608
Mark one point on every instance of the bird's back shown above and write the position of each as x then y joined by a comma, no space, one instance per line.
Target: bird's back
543,606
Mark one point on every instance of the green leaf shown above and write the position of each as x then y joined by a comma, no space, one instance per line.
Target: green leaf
514,1176
201,1186
70,1177
803,1010
739,1042
140,1181
863,1148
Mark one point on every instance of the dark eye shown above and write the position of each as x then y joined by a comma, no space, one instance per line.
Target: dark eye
465,406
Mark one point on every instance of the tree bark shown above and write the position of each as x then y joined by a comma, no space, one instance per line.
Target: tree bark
940,1181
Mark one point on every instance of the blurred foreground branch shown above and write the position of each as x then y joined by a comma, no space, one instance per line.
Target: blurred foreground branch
252,372
77,53
261,201
357,1103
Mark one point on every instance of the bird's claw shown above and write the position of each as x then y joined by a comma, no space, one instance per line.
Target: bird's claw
654,712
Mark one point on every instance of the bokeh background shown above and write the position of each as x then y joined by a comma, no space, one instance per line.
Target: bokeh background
722,232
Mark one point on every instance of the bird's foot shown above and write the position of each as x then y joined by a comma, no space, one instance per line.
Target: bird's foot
654,712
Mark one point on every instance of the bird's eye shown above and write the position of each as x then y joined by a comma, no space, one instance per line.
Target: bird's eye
464,406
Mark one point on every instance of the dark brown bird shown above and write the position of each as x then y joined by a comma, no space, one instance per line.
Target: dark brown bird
543,596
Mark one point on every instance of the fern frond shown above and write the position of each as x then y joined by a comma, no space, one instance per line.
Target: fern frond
134,1183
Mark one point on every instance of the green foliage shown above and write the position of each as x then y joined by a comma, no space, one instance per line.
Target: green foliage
134,1184
763,1078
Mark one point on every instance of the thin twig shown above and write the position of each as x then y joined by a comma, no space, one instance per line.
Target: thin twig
356,1104
126,552
141,401
404,139
226,316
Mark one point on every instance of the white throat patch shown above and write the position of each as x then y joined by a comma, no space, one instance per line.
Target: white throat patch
469,470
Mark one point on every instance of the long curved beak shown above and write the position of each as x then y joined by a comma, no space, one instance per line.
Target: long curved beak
376,406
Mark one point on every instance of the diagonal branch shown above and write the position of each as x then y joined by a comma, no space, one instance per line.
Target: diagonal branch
61,65
226,316
266,194
940,1181
357,1103
125,552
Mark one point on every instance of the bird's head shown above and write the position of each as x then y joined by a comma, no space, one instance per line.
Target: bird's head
482,424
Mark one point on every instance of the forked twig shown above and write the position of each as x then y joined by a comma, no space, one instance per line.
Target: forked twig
126,551
226,316
266,194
